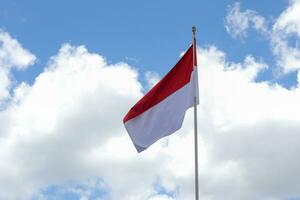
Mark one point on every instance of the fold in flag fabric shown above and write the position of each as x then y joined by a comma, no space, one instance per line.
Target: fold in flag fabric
161,111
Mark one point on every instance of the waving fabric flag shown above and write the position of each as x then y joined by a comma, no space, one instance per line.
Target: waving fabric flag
161,111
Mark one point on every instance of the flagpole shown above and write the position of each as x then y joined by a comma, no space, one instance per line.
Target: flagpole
195,120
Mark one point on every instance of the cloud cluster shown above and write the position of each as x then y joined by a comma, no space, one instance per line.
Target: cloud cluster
56,124
250,131
67,126
283,35
12,55
237,23
64,133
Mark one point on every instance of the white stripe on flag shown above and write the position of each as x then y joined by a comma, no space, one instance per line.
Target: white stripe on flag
162,119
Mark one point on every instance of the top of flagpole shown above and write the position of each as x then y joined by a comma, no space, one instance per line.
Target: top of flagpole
194,30
194,45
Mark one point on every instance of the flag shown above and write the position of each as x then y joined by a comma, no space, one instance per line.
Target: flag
161,111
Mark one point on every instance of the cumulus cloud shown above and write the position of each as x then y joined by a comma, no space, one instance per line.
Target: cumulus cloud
65,132
283,35
67,126
237,22
4,84
72,108
12,55
288,21
286,29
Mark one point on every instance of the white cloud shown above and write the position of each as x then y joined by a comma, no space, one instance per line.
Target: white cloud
4,84
288,21
73,107
285,28
12,55
248,129
283,36
237,23
152,78
67,126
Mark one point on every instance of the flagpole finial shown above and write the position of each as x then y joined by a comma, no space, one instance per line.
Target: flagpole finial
194,30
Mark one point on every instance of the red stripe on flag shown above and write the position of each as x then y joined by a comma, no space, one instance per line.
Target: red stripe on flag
176,78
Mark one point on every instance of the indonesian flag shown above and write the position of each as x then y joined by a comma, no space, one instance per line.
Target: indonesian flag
161,111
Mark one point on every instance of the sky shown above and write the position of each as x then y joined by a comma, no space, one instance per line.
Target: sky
70,71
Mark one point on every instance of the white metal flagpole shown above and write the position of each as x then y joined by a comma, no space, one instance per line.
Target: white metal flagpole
195,118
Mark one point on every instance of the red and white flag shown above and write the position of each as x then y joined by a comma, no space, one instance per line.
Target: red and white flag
161,111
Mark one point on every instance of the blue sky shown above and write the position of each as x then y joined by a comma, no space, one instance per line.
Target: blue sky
145,34
70,70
